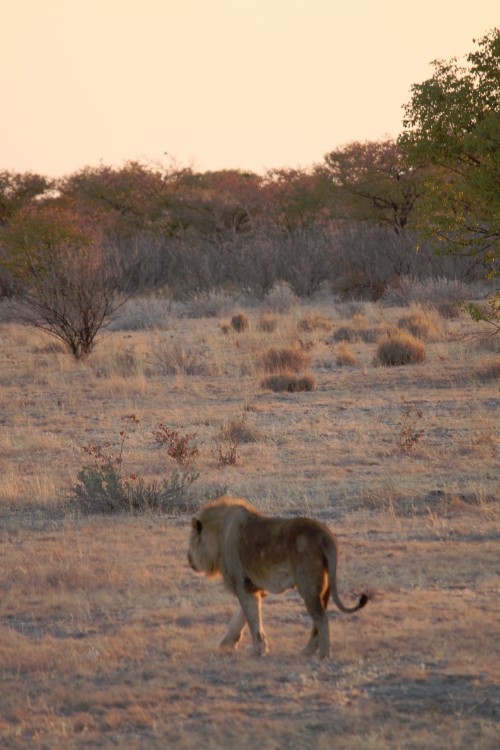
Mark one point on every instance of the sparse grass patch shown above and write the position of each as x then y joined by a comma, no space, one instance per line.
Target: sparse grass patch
489,370
241,430
399,348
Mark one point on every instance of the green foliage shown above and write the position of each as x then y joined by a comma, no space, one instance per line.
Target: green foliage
488,312
452,122
374,181
19,190
102,489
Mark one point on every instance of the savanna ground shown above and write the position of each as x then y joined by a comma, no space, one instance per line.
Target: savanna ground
107,639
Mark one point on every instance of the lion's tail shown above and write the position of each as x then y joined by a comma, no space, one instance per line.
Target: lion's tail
331,557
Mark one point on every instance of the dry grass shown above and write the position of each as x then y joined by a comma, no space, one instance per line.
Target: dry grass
288,359
107,639
288,381
422,322
399,348
345,355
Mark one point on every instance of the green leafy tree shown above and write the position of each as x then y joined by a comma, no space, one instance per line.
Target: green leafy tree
374,181
453,123
18,190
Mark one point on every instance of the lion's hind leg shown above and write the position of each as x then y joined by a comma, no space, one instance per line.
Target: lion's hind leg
316,602
235,630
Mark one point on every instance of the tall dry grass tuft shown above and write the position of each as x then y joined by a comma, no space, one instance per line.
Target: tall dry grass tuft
287,381
399,348
345,355
287,359
240,323
314,322
267,323
422,322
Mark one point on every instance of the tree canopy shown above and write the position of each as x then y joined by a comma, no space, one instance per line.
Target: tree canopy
453,122
375,182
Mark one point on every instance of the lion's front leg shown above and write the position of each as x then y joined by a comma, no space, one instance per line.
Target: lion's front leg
250,605
235,629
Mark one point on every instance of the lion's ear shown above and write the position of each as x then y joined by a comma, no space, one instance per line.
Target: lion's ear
196,524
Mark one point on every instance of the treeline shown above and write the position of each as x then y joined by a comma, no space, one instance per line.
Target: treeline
351,222
364,218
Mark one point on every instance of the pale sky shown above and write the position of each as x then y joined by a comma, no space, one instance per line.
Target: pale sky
248,84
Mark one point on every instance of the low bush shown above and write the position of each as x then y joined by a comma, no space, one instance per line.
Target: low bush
280,299
102,486
288,359
204,305
143,313
399,348
102,489
435,290
240,322
173,357
289,382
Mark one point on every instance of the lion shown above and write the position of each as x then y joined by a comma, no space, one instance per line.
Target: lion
257,554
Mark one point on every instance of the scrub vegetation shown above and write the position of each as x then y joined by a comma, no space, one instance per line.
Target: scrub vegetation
321,341
109,639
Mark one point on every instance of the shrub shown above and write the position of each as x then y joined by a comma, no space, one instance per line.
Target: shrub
102,487
178,446
204,305
287,381
424,323
399,348
288,359
410,434
240,322
143,313
175,358
280,299
432,291
103,490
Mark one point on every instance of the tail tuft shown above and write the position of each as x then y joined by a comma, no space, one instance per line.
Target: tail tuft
362,601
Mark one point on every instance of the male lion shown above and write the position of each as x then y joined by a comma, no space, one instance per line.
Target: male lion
256,554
